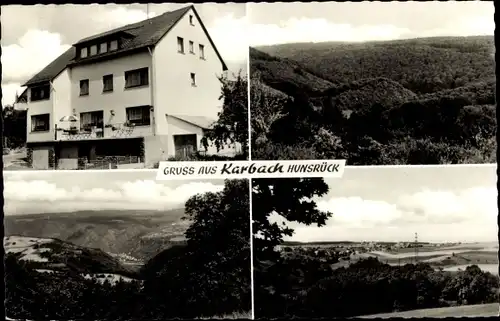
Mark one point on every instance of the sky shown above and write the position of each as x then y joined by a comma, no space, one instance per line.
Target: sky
33,36
278,23
440,203
33,192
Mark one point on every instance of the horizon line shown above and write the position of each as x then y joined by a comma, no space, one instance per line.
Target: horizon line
372,241
368,41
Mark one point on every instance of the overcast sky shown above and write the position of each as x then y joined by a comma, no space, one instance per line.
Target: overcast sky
32,192
452,203
33,36
276,23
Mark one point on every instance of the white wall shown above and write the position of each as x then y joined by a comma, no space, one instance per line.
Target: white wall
62,97
174,94
179,127
38,108
120,98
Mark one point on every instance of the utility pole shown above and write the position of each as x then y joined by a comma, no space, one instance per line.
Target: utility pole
416,248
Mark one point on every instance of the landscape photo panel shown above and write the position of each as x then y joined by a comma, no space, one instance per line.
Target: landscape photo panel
120,245
378,242
375,83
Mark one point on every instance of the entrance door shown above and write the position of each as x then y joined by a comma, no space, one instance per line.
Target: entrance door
185,145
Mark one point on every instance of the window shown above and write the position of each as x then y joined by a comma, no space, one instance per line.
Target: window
84,87
91,119
139,116
40,123
107,83
104,47
193,79
202,51
191,47
191,20
40,93
135,78
113,45
93,50
83,52
180,45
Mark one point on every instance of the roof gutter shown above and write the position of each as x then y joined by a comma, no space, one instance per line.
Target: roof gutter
152,88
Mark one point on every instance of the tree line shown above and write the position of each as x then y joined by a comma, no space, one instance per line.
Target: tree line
14,127
306,287
453,127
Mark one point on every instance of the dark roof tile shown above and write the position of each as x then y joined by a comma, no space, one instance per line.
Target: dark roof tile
53,69
143,34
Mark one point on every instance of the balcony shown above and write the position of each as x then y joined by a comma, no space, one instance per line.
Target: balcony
108,131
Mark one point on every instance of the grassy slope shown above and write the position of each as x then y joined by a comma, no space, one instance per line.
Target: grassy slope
56,255
480,310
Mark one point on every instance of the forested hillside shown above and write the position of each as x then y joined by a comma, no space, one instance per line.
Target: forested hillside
420,101
421,65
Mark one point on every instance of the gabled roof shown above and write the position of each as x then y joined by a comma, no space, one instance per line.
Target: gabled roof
138,35
199,121
53,69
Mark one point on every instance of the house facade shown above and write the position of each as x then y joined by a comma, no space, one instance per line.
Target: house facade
147,90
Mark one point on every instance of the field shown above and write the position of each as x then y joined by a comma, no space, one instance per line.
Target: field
449,258
480,310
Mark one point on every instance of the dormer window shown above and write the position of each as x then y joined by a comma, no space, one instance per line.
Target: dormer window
93,50
104,47
40,93
113,45
191,20
83,53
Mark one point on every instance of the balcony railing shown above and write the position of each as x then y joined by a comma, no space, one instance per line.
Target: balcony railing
108,131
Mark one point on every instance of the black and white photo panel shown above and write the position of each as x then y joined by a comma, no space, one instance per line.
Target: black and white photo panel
375,83
123,86
377,243
114,245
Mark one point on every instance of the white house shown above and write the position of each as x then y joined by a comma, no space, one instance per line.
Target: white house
148,89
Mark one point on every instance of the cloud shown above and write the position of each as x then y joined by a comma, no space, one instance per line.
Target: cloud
437,216
322,30
20,61
9,91
478,25
35,50
319,30
39,196
118,17
230,36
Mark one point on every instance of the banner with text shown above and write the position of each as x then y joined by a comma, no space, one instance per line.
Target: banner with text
250,169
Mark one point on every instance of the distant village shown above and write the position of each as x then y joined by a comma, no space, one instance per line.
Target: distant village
344,250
